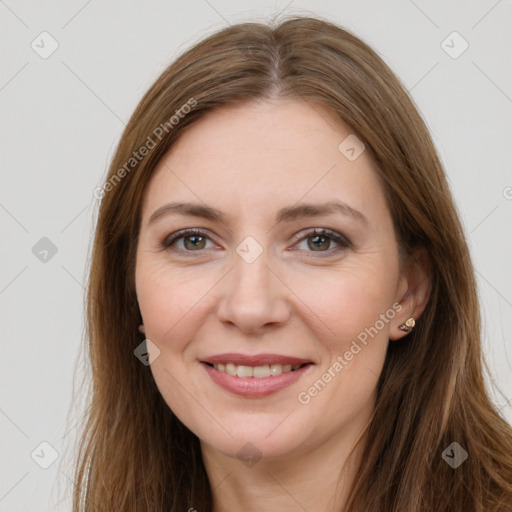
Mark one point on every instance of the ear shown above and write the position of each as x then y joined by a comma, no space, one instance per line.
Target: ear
413,290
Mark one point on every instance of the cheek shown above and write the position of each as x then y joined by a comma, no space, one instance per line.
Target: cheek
356,309
347,303
171,307
168,301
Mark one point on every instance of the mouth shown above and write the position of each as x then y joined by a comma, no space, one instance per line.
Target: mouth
258,372
255,376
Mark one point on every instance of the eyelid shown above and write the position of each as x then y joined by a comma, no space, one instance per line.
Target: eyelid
342,241
183,233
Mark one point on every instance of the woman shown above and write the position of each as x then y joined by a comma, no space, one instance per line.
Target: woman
282,310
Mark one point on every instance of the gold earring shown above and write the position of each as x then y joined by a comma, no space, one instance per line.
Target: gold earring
408,325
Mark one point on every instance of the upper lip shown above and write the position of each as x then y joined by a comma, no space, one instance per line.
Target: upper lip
254,360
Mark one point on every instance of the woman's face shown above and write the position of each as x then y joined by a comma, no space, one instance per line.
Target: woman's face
257,292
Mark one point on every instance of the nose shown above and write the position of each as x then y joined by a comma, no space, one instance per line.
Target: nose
254,298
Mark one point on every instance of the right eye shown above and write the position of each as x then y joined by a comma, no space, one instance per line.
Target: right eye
193,239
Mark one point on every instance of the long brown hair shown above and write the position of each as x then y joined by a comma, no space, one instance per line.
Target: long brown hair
134,454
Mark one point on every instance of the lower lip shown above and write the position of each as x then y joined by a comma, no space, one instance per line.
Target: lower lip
253,387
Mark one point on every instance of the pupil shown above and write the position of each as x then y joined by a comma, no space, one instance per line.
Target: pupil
316,239
195,240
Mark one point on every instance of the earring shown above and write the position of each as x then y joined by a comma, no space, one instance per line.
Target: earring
141,328
408,325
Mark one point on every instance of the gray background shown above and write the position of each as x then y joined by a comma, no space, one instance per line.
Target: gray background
61,117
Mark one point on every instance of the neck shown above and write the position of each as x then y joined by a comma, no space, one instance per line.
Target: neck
314,479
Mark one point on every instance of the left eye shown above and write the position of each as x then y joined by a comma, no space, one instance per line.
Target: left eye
318,240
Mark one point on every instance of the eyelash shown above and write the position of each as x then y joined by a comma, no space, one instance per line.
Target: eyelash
343,242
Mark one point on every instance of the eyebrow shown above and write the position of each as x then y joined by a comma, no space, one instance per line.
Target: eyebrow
286,214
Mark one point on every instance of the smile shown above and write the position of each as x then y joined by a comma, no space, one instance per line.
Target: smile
259,372
255,376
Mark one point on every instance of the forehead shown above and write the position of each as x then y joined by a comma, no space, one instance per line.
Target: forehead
257,157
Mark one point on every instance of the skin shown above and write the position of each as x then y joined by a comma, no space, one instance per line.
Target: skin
249,161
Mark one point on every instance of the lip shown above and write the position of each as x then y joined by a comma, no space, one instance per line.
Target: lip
254,360
252,387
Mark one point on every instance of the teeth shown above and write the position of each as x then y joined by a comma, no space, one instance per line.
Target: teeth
244,371
276,369
256,371
259,371
230,368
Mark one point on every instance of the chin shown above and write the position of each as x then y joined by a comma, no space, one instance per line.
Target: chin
267,437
